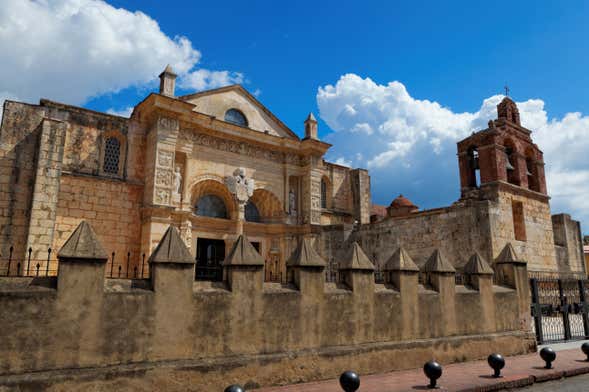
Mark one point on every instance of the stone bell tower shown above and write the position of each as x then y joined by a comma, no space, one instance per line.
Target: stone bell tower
504,152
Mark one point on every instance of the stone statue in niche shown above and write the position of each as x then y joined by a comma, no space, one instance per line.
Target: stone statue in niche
177,181
292,203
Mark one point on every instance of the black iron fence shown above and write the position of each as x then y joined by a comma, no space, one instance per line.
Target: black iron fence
127,266
14,264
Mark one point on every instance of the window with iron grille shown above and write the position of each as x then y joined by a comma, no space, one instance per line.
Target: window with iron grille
323,194
112,155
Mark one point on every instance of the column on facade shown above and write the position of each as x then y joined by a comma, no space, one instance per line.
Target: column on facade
159,179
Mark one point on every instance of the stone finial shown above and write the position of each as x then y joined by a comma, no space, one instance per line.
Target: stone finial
83,244
477,266
508,255
356,259
437,263
243,253
311,127
305,256
167,81
400,261
171,249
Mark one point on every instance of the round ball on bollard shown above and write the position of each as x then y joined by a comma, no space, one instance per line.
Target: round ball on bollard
585,348
548,355
497,362
433,371
234,388
349,381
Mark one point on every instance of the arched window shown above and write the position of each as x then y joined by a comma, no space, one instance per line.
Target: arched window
112,156
323,193
251,212
211,206
236,117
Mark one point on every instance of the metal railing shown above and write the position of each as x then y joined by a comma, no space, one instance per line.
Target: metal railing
130,266
27,265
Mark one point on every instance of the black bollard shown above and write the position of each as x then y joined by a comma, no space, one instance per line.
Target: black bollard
349,381
234,388
548,355
497,362
433,371
585,348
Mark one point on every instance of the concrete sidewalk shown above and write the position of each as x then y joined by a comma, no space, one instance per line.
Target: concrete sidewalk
519,371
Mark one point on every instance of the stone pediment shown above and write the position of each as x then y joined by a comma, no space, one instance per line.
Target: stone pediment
218,101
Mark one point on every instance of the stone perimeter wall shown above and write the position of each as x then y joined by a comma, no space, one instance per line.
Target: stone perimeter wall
248,331
484,226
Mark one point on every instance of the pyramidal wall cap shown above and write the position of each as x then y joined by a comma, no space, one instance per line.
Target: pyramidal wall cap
401,261
508,255
243,253
305,256
477,266
356,259
437,263
171,249
83,244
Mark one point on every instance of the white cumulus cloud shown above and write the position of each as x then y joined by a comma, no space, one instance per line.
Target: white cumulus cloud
203,79
410,144
72,50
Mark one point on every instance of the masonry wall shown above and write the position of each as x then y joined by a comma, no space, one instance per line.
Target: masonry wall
485,226
19,141
538,249
111,206
456,231
568,244
248,330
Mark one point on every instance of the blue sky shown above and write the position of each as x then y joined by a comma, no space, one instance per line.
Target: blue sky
449,62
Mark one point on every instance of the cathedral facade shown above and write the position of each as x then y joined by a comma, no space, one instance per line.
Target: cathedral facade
214,164
217,164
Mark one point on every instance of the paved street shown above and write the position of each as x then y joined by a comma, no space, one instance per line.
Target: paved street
520,371
572,384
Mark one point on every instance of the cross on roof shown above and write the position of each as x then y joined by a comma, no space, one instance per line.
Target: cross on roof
506,90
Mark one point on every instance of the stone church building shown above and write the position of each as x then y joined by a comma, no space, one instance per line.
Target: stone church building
218,163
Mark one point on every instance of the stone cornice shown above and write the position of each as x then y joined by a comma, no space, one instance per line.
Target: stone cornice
206,130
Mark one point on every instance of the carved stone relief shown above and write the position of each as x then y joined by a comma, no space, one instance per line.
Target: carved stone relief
165,158
168,123
162,196
315,217
163,177
239,148
315,202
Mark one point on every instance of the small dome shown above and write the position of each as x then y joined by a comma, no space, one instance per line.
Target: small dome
402,201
